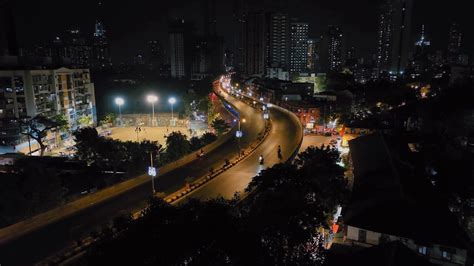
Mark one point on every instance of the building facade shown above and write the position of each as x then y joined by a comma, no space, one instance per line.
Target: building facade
454,44
298,47
332,49
313,55
435,253
278,41
28,93
177,54
394,35
100,48
254,44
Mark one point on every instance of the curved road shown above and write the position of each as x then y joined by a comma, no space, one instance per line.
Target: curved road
286,131
45,241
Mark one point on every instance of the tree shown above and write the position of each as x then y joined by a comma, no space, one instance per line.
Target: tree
195,143
107,119
208,138
289,202
138,155
177,145
278,222
38,128
63,124
85,121
40,184
86,144
220,126
320,170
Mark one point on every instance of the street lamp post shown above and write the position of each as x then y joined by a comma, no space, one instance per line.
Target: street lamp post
239,134
152,174
119,101
172,101
152,99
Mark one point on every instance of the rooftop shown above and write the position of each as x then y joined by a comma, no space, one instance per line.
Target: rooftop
390,254
387,196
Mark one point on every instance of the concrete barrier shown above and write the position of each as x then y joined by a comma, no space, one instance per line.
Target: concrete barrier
201,181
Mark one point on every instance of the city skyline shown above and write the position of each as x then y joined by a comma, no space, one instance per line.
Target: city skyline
238,132
125,36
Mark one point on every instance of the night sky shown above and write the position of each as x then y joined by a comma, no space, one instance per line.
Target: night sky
131,23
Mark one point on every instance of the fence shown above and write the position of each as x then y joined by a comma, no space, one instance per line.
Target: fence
161,120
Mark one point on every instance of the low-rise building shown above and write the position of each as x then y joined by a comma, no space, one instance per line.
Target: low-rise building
390,202
309,114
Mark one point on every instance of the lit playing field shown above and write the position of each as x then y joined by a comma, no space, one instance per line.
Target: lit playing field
146,133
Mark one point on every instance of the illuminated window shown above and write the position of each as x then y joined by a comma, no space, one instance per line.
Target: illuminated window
446,255
422,250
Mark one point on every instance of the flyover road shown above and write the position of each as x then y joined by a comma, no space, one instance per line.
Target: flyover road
35,244
286,131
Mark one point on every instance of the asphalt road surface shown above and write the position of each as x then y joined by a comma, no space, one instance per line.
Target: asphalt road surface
286,131
56,236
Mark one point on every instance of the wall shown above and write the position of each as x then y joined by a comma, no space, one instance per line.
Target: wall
434,253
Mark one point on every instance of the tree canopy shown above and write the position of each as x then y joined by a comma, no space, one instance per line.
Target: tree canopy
177,145
276,224
220,126
39,126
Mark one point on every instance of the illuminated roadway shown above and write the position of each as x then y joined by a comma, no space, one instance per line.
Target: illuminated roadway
286,131
44,241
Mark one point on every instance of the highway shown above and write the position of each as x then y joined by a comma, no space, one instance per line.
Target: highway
44,241
286,131
58,235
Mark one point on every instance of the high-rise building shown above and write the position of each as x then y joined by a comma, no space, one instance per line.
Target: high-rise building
421,61
200,67
313,55
278,43
239,16
77,49
177,50
210,21
331,49
393,35
27,93
100,47
138,60
351,59
454,44
155,54
298,47
9,29
385,36
254,45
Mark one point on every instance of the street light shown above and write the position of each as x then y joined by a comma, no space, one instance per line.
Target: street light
119,101
152,173
152,99
172,101
239,133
